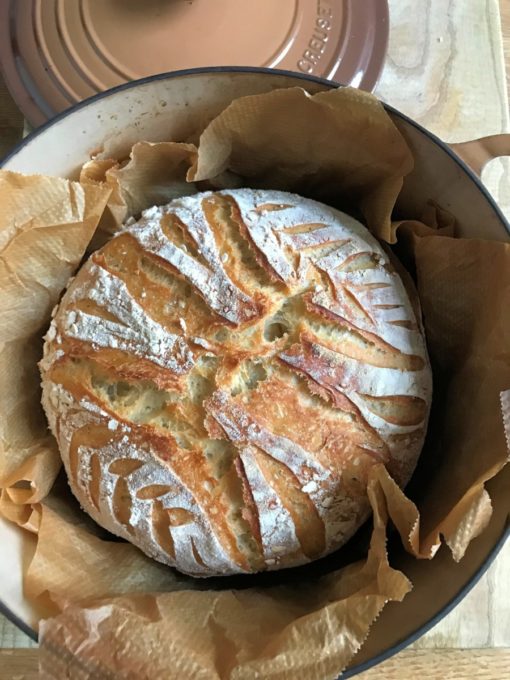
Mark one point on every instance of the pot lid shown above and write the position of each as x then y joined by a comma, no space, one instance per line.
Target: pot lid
54,53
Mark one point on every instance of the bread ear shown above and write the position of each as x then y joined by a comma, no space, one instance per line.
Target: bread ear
408,282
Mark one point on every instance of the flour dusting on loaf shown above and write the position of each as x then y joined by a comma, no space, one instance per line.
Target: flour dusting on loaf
221,376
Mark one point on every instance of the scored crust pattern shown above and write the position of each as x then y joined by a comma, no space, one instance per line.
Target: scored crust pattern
221,376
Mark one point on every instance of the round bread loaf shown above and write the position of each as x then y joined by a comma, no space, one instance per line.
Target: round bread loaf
221,376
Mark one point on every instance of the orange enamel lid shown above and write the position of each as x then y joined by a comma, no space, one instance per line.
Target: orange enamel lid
55,53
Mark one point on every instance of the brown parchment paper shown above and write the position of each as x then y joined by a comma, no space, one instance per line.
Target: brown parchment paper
46,224
114,612
154,174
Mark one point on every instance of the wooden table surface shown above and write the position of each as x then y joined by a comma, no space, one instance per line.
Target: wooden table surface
465,36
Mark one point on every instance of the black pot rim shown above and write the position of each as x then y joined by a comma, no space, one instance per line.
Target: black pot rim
354,670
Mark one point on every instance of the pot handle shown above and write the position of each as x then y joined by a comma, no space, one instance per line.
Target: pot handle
478,152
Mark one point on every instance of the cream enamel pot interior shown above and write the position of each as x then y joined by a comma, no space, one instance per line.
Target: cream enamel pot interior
175,105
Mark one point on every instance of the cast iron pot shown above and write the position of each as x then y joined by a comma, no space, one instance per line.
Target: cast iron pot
173,106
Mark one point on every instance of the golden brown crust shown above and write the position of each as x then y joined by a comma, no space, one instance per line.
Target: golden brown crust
222,375
249,512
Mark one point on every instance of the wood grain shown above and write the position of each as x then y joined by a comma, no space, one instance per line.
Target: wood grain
19,664
445,66
504,8
451,664
447,664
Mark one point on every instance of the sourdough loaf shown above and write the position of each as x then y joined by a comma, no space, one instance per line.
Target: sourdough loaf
221,376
